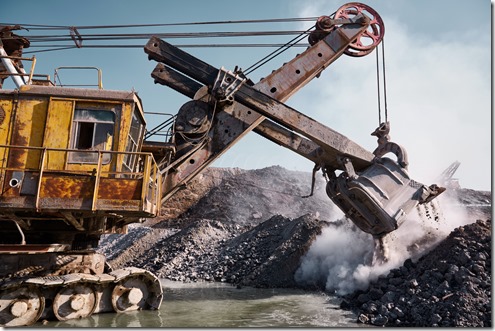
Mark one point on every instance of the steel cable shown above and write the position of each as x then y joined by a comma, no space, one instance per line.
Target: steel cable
384,81
212,34
41,40
276,53
62,27
384,84
378,87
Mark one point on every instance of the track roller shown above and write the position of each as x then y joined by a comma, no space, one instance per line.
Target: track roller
21,306
74,301
136,289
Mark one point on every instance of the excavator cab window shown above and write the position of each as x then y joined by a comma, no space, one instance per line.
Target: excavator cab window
92,131
133,141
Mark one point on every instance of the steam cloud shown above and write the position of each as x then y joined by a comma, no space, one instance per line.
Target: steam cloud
340,258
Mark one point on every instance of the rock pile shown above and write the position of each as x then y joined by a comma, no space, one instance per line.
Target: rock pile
265,256
245,228
250,197
269,254
218,205
450,286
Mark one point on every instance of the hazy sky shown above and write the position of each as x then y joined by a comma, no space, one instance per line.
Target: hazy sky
438,61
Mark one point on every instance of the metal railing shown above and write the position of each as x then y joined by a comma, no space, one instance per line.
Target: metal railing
164,129
57,76
147,171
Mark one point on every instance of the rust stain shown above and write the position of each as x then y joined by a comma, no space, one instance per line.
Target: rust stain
79,187
56,186
120,189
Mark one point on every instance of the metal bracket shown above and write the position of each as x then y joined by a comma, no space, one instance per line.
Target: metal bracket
385,145
326,23
313,180
349,168
226,85
76,36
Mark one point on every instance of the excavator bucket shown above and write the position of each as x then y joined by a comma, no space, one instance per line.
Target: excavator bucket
379,198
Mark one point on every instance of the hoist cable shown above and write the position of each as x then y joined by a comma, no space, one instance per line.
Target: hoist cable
62,27
176,45
275,53
384,84
64,47
41,40
378,86
38,41
61,48
384,80
166,35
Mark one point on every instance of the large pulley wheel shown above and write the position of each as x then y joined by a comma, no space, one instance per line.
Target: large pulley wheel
76,301
136,291
21,306
371,37
193,119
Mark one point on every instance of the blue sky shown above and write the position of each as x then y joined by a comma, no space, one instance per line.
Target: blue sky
438,55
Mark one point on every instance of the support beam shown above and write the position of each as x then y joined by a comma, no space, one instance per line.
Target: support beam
268,129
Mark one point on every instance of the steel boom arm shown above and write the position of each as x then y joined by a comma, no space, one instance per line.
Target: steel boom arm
232,123
267,128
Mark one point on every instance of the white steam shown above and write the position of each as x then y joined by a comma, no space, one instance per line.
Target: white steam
340,258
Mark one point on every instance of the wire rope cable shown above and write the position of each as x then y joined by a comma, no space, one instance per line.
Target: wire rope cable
276,53
58,42
63,27
379,93
384,80
378,87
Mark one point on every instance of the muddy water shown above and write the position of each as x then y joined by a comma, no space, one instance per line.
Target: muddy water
221,305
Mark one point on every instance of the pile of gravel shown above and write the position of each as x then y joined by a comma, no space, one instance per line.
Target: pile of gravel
187,254
250,197
187,242
269,254
266,255
245,228
450,286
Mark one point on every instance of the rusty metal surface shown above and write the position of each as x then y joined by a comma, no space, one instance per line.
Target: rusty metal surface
290,140
71,187
56,206
120,188
331,141
31,249
295,74
267,128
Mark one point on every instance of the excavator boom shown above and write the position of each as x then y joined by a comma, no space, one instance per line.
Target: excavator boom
376,193
235,121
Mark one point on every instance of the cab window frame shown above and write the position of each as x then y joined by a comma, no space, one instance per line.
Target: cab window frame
93,129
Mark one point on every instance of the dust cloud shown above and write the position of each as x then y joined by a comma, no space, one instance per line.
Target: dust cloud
340,259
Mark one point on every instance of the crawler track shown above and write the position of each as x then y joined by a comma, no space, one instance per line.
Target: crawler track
25,301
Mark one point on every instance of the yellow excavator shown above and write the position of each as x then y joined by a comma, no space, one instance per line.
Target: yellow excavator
78,163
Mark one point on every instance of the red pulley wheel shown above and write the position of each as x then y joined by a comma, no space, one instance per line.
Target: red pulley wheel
371,37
